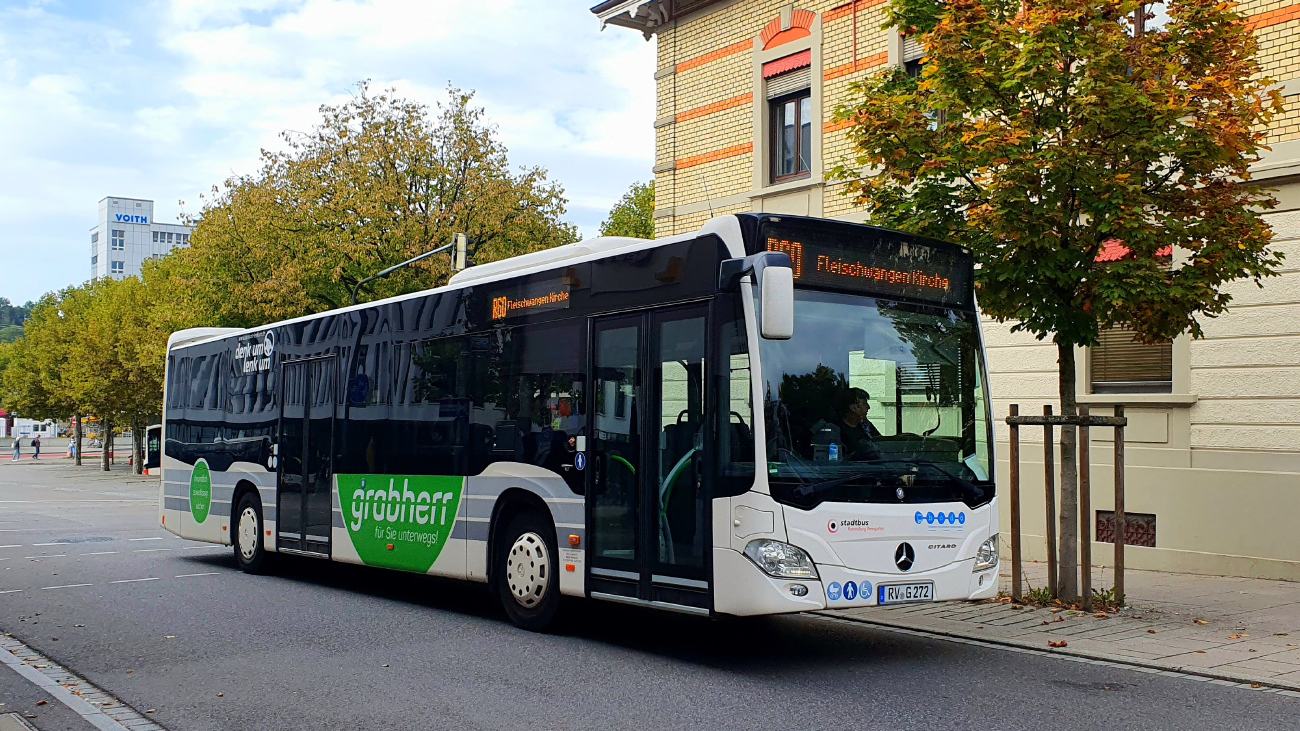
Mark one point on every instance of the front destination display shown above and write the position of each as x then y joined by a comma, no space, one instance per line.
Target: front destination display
771,414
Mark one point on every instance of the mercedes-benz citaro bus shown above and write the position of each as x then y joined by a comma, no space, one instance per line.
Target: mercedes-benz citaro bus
771,414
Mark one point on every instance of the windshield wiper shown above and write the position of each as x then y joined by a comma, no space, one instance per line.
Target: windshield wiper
809,490
972,491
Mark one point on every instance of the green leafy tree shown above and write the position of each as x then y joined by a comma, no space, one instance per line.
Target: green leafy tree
1041,133
377,182
634,214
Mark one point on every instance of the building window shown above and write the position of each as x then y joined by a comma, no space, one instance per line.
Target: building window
185,239
792,118
94,238
1121,364
155,237
94,260
117,267
118,240
169,237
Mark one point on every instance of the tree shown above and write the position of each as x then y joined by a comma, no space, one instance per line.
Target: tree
1040,133
377,182
634,214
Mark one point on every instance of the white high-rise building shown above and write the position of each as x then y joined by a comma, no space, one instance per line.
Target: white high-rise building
126,235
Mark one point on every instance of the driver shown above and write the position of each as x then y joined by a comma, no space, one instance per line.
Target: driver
858,433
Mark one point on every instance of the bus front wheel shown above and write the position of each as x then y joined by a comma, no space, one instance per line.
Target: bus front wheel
526,575
250,552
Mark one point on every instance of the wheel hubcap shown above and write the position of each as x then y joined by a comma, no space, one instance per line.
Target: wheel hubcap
248,534
528,570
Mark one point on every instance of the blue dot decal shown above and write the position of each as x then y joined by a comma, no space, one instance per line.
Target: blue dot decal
961,518
850,591
929,518
866,589
942,518
919,517
833,591
952,518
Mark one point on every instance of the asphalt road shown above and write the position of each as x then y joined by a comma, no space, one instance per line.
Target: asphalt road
171,625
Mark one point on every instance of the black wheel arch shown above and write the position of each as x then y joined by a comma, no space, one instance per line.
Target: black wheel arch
512,502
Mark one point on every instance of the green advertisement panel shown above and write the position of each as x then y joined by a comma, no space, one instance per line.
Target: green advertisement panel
200,491
399,521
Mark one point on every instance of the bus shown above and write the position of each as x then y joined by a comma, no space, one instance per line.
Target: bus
771,414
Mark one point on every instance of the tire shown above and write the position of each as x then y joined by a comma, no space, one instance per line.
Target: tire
248,530
526,571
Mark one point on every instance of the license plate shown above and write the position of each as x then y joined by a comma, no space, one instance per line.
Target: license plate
905,593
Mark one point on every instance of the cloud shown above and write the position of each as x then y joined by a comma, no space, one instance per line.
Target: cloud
164,100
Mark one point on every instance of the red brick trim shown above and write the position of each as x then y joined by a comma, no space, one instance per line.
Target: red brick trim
738,150
707,109
712,56
1274,17
863,64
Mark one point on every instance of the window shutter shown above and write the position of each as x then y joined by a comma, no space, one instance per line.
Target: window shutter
912,49
1120,364
789,82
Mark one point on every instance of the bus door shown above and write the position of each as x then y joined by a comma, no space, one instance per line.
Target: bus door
304,455
648,514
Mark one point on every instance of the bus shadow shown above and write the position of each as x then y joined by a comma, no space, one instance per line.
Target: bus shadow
781,644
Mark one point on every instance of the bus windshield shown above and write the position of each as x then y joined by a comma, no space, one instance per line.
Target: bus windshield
875,400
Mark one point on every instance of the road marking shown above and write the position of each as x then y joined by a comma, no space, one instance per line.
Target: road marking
155,538
195,548
99,553
53,555
65,586
56,543
132,581
11,653
186,576
10,591
148,550
13,545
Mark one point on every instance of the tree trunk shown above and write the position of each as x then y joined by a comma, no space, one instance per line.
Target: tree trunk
77,437
137,449
1067,588
106,441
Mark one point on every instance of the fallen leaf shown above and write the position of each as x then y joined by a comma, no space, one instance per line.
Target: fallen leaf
1099,615
1281,634
221,695
78,625
1200,621
1054,610
1151,631
1059,619
1253,650
151,710
1256,685
1237,637
41,703
129,672
1199,652
1062,643
54,639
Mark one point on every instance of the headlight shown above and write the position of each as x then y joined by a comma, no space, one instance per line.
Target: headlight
987,556
781,560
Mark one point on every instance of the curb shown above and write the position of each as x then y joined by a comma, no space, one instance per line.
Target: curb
1096,656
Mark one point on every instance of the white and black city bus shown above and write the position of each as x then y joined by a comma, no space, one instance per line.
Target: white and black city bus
771,414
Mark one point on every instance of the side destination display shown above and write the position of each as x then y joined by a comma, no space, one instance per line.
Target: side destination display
873,261
399,521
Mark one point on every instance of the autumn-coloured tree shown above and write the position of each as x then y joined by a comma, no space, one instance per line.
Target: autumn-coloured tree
634,214
1040,133
377,182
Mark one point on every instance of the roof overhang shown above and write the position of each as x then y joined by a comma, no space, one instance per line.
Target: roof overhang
646,16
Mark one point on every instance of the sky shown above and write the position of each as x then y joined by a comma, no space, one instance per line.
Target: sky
165,99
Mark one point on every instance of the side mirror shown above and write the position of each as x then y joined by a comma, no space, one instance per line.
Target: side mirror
778,303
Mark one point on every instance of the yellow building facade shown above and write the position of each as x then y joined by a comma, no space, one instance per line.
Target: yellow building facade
746,90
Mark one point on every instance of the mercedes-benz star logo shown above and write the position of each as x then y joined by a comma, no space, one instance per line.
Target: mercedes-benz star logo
904,556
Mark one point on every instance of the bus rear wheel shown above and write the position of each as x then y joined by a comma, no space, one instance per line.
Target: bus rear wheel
250,552
526,576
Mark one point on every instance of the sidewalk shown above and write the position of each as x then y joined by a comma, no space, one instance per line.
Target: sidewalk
1243,630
